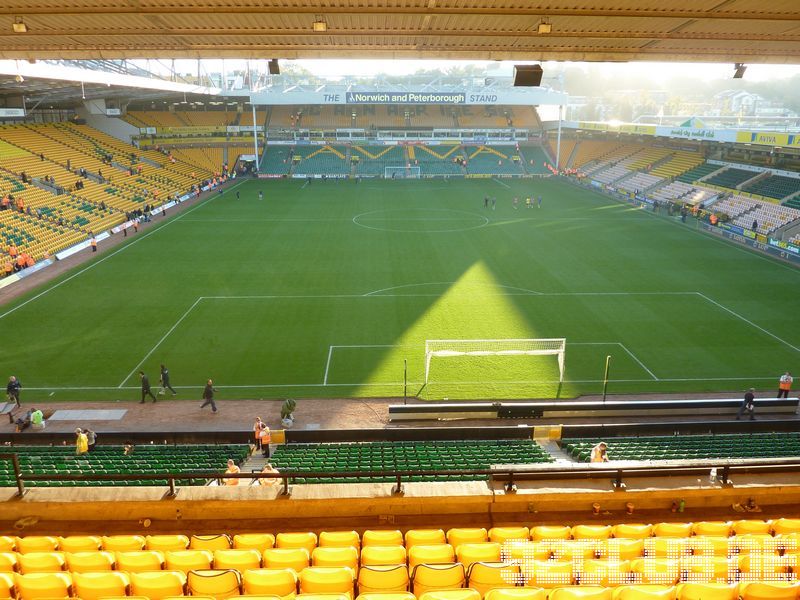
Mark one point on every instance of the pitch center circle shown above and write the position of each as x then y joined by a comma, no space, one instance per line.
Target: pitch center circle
420,220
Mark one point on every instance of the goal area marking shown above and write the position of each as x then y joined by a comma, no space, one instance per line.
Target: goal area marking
402,172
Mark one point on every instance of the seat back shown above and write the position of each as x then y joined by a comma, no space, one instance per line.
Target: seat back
708,591
382,555
217,583
90,562
79,543
472,535
237,559
157,585
486,576
382,578
424,537
518,593
36,543
469,553
188,560
462,594
760,590
166,543
547,573
255,541
123,543
335,556
302,539
140,561
286,558
327,580
382,537
580,592
277,582
344,539
427,578
37,586
645,591
219,541
501,535
430,553
41,562
93,586
551,532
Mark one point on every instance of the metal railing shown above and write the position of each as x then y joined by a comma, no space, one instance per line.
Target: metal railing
504,476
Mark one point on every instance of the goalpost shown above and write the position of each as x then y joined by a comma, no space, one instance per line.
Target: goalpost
507,347
401,172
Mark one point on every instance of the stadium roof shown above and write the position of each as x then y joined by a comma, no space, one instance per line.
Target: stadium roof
749,31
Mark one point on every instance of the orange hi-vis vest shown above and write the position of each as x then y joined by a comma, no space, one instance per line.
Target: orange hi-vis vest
785,382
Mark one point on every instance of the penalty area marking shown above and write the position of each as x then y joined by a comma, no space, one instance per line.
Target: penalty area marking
332,348
504,184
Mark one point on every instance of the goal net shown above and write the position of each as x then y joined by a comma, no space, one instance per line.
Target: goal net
507,347
401,172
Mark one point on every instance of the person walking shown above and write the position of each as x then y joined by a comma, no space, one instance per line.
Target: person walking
91,439
265,439
257,432
748,405
164,379
784,385
12,390
208,396
146,391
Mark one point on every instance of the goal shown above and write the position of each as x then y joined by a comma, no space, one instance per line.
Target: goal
401,172
506,347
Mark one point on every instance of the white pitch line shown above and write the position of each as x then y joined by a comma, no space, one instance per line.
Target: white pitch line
748,321
641,364
505,185
105,258
332,348
327,365
621,345
159,342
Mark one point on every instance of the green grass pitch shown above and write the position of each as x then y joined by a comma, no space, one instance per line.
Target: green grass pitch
326,289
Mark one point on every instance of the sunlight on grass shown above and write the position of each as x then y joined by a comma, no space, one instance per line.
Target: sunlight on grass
475,307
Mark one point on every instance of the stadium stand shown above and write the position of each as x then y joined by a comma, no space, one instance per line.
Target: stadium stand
639,182
567,147
437,160
756,445
768,217
324,160
534,159
678,191
774,186
698,172
209,159
276,160
246,118
146,458
679,163
588,151
734,206
730,178
208,118
154,118
491,160
372,160
387,456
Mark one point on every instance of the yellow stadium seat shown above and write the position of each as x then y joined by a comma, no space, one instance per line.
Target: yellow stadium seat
636,531
188,560
551,532
501,535
79,543
38,586
757,566
706,545
90,562
525,551
424,537
645,591
468,553
754,542
607,573
462,594
7,543
93,586
6,586
472,535
256,541
286,558
672,530
580,592
520,593
759,590
572,549
237,559
8,562
660,571
166,543
591,532
746,526
41,562
784,526
788,542
382,537
427,578
123,543
621,549
36,543
305,539
485,576
712,528
217,583
140,561
339,539
157,585
324,596
276,582
335,556
707,591
220,541
709,569
666,547
383,578
383,555
327,580
387,596
433,553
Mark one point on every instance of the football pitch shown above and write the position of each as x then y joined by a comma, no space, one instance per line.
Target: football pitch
331,288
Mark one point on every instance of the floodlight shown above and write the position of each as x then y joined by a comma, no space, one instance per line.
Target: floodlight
739,69
19,27
319,25
544,27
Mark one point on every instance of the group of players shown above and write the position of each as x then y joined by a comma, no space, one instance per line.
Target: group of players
487,200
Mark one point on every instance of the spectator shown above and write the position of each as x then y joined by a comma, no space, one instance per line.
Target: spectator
91,438
232,468
599,453
81,442
12,390
784,385
37,419
269,481
748,405
265,438
127,449
257,432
